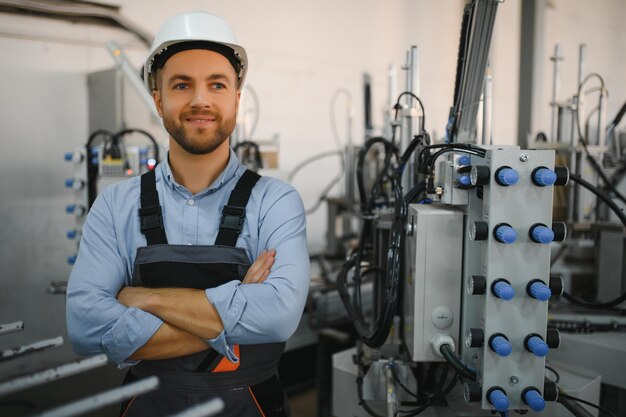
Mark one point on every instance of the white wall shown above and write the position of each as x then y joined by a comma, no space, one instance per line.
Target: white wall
601,25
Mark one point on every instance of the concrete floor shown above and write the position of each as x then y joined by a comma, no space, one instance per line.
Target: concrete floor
57,393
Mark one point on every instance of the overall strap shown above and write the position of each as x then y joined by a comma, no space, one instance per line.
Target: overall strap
234,212
150,213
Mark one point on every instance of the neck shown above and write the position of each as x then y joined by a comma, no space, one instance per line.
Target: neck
197,172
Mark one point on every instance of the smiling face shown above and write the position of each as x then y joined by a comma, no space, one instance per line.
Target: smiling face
197,98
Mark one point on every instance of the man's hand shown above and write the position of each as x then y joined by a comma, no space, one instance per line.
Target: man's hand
260,269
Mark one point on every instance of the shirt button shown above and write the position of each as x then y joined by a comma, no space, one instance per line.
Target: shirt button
235,311
191,202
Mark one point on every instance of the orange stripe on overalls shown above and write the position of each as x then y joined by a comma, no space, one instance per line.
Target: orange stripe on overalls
227,366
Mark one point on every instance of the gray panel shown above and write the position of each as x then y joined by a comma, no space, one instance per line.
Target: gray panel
433,280
521,205
38,124
106,100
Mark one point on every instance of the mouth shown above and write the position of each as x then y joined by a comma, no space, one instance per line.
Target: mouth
200,121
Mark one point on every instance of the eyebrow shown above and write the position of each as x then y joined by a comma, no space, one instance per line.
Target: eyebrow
212,77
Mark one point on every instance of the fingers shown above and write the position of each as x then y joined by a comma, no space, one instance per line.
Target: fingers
260,269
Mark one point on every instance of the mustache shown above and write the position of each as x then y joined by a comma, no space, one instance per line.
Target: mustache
195,112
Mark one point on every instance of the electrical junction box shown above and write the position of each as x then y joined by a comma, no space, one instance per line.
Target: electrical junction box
432,287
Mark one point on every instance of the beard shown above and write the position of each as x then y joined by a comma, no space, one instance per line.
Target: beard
195,140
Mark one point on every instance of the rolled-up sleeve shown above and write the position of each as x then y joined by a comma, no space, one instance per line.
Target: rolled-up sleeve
96,321
270,311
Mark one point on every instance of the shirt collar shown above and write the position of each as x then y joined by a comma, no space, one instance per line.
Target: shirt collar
227,174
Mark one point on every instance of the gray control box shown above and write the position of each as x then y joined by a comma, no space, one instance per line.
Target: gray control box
432,288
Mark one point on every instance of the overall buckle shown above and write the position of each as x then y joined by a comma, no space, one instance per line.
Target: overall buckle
232,217
151,218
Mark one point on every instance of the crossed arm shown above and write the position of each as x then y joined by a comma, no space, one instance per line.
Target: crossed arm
189,318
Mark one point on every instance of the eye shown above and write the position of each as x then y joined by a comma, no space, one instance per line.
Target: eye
180,86
218,86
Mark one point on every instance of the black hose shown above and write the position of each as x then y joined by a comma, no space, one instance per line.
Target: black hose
155,145
255,147
618,211
602,196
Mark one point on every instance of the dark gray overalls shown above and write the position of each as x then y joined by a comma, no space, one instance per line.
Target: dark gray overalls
249,388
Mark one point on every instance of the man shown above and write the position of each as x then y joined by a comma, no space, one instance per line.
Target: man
163,281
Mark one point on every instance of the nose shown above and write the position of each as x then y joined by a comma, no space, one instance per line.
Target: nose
201,98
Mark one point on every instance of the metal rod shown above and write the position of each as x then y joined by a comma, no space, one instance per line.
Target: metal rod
555,87
103,399
32,348
487,107
28,381
207,409
123,63
392,394
17,326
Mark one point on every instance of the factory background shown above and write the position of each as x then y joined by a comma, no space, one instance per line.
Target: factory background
301,55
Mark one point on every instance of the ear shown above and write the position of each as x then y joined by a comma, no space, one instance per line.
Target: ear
158,102
237,102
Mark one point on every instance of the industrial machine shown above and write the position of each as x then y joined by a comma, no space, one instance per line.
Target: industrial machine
456,242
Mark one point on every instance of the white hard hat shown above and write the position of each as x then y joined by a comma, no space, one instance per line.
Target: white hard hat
199,27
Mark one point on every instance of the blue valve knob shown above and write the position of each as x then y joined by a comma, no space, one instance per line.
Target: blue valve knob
540,291
463,160
143,151
498,399
536,345
94,151
542,234
500,345
94,160
68,156
143,161
69,183
503,290
507,176
535,401
505,234
544,177
71,259
464,180
70,208
71,234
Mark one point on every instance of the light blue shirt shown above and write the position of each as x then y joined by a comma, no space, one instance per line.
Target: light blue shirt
251,314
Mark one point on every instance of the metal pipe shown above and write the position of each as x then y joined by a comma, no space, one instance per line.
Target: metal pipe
28,381
207,409
123,63
555,87
103,399
17,326
487,107
32,348
392,394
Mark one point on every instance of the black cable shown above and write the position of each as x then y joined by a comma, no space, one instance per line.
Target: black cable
415,192
618,211
556,374
576,409
408,93
456,363
363,198
155,145
590,404
92,168
404,387
605,198
582,139
246,144
442,394
609,304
